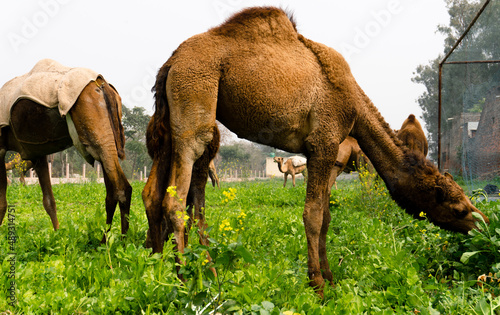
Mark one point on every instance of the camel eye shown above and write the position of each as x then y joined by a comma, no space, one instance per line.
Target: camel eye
460,213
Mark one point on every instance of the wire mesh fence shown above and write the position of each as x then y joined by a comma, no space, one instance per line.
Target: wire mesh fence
469,145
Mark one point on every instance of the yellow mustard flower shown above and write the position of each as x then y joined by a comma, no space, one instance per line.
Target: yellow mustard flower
172,191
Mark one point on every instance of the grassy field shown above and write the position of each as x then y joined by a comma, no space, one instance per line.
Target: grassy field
383,261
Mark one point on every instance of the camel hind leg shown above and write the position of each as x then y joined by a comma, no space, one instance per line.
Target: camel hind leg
189,177
152,196
192,103
95,133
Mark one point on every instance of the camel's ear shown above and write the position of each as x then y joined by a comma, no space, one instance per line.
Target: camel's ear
448,175
439,194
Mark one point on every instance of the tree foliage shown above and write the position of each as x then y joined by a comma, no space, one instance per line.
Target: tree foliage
135,121
464,86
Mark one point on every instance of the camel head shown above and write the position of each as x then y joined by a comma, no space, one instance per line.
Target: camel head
278,159
425,189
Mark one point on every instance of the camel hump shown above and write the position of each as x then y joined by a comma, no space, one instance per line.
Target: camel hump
258,22
411,117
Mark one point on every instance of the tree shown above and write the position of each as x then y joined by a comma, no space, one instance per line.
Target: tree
135,122
243,156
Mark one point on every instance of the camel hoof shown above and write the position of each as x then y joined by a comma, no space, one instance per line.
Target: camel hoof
56,226
317,283
320,294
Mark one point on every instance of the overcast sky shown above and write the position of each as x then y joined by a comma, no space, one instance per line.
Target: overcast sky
127,41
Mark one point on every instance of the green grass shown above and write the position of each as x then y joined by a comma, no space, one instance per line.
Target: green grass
383,261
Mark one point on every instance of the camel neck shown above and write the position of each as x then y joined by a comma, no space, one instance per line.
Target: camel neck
379,142
282,167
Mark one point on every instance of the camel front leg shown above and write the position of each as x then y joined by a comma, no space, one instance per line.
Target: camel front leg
325,266
3,185
293,179
21,178
333,178
316,220
49,203
285,176
196,196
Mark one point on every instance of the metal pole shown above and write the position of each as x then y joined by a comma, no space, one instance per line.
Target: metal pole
439,114
471,61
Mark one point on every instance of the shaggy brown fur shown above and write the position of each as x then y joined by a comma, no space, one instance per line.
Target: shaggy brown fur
269,84
287,168
37,131
413,136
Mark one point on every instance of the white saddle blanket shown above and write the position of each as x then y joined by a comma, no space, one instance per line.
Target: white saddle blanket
298,160
49,83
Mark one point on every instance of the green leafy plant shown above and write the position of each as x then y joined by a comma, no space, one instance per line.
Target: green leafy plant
383,261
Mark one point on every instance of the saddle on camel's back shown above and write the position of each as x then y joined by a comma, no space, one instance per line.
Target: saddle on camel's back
297,160
55,88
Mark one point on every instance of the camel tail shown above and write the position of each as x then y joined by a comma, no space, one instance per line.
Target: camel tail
114,106
160,121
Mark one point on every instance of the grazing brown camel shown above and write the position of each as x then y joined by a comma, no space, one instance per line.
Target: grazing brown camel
267,83
290,167
92,124
20,165
348,159
412,135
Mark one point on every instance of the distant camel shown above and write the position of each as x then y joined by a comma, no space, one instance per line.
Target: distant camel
267,83
212,172
20,165
291,166
413,136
